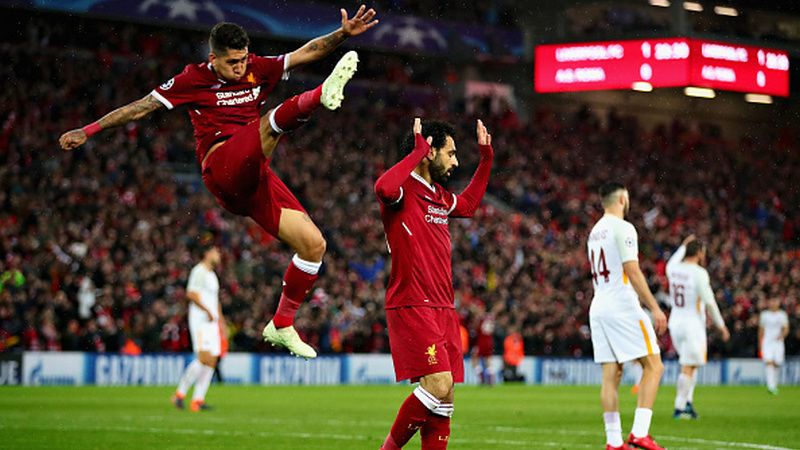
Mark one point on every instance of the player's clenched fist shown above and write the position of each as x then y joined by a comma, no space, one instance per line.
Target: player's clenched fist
72,139
484,138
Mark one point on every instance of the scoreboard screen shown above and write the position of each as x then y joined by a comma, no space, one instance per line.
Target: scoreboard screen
670,62
742,68
611,65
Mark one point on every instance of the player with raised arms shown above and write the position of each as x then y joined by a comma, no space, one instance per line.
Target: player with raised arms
691,295
424,333
236,135
621,330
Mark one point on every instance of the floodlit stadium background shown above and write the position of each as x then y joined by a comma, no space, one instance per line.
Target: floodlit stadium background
95,245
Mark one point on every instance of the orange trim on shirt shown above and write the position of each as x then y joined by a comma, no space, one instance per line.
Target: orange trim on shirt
624,277
646,338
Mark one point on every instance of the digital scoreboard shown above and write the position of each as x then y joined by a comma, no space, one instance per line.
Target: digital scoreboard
663,62
742,68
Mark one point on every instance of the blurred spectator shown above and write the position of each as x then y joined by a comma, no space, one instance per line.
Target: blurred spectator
97,241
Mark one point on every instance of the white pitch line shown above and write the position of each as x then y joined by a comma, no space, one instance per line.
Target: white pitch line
298,435
674,438
728,443
499,429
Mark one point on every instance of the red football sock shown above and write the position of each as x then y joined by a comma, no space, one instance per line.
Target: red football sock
411,416
294,112
296,285
435,432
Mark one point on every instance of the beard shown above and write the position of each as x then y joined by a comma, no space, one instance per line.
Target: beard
439,173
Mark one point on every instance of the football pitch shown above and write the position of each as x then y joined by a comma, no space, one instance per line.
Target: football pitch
358,417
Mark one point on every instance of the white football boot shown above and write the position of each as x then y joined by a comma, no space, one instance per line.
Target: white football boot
333,86
288,338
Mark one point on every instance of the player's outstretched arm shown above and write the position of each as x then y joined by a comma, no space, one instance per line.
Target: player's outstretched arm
320,47
469,200
120,116
678,255
639,283
388,187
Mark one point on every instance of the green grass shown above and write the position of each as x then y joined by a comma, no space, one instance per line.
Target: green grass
354,417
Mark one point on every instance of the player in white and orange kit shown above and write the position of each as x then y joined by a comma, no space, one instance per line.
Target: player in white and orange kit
205,318
691,296
773,327
621,330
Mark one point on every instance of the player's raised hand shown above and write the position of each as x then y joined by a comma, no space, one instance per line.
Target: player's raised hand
484,138
361,22
688,239
72,139
418,130
660,320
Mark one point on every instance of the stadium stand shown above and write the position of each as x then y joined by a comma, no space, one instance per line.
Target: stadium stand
95,245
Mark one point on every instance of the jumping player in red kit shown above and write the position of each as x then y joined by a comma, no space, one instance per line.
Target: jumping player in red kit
235,136
424,333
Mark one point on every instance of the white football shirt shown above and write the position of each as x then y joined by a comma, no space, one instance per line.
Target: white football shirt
773,322
612,242
205,283
690,292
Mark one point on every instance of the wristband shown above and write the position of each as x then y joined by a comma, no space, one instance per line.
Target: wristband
91,129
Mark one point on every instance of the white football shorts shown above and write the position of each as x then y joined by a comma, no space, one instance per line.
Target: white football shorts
691,343
622,336
773,352
206,337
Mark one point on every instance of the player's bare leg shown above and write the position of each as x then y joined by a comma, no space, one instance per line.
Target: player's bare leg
652,370
612,375
298,231
427,409
683,394
296,228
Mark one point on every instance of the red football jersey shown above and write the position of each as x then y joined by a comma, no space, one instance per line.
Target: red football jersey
418,235
218,108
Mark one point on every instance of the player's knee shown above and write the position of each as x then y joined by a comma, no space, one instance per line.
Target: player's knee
656,367
313,248
441,390
440,385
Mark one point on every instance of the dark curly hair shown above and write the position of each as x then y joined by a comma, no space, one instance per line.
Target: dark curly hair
226,35
435,129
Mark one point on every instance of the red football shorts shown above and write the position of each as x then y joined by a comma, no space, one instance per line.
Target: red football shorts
240,178
423,341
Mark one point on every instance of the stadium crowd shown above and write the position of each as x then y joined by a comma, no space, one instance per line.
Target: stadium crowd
96,245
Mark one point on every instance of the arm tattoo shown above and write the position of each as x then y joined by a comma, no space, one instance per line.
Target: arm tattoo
130,112
333,40
327,43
